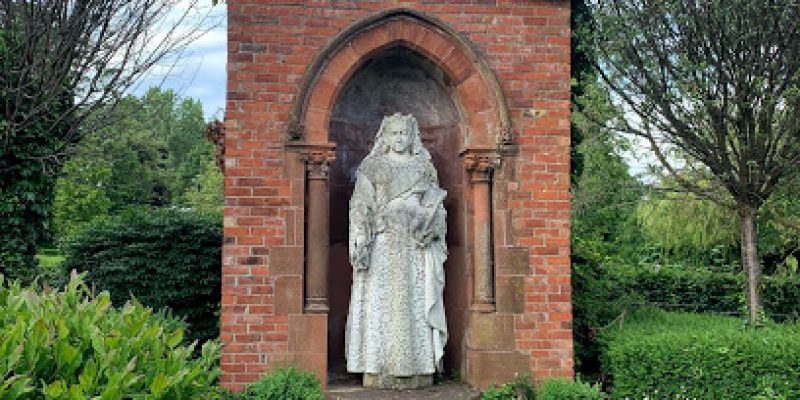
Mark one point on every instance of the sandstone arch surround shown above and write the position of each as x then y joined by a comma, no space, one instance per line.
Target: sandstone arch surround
477,88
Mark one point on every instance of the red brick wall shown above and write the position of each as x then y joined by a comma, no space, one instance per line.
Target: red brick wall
270,46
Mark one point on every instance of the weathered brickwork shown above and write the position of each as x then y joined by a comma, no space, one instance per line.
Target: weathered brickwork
271,44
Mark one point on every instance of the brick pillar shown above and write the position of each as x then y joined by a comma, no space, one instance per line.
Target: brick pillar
480,167
316,296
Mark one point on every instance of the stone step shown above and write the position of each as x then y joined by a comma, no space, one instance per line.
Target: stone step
444,391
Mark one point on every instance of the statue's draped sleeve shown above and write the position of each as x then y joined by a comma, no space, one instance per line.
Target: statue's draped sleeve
362,209
435,255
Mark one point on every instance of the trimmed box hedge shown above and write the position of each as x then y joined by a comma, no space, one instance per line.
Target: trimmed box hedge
661,355
162,257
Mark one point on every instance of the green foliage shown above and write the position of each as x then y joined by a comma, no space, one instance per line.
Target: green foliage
521,388
567,389
285,384
780,295
28,165
598,299
162,257
152,152
688,227
205,194
604,202
702,290
603,294
665,355
81,194
682,288
505,392
72,344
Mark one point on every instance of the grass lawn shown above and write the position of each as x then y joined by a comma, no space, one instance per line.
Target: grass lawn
49,261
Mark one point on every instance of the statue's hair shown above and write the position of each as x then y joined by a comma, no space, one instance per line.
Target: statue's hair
381,147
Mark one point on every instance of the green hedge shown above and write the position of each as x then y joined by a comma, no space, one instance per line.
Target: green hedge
567,389
672,355
162,257
72,344
687,289
603,292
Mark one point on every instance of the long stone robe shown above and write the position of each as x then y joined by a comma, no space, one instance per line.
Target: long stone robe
396,325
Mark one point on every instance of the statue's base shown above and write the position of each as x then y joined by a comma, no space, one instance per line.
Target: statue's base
397,382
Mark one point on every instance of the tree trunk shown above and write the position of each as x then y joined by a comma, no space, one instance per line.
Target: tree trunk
752,268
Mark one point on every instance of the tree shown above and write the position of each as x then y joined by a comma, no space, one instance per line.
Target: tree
716,82
154,152
61,62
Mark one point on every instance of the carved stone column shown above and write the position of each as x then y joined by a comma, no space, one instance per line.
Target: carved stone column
480,165
317,242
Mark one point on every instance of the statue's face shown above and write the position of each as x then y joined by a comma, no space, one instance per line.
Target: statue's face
399,140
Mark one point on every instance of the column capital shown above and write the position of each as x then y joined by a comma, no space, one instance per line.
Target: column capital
480,163
317,162
316,156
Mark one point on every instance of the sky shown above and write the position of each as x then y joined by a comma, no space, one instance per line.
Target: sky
199,72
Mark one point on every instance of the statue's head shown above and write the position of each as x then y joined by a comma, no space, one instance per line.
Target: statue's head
399,134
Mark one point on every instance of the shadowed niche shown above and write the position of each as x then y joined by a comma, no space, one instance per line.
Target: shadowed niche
395,80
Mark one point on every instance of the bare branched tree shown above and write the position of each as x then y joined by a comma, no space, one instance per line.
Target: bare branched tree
62,61
717,81
65,59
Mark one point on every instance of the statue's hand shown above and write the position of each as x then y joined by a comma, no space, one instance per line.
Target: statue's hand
359,253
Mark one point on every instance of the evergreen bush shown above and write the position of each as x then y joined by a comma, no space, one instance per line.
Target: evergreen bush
676,355
162,257
567,389
285,384
71,344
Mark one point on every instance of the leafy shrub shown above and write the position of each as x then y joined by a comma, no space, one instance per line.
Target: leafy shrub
505,392
285,384
72,344
700,290
521,388
162,257
669,355
779,295
598,298
567,389
683,288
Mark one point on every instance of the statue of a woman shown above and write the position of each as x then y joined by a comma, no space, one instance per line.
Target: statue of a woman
396,327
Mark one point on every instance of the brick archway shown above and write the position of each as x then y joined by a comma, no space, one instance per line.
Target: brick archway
484,108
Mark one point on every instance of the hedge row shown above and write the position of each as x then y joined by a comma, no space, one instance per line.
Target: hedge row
685,289
672,355
162,257
603,293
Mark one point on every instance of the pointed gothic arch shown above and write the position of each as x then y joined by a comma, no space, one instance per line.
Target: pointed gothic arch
486,114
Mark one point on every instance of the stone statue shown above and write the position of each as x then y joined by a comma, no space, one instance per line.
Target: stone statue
396,328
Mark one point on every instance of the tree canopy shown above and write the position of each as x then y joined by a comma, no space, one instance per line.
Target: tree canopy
714,82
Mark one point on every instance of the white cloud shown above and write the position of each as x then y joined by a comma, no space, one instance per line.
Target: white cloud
199,71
